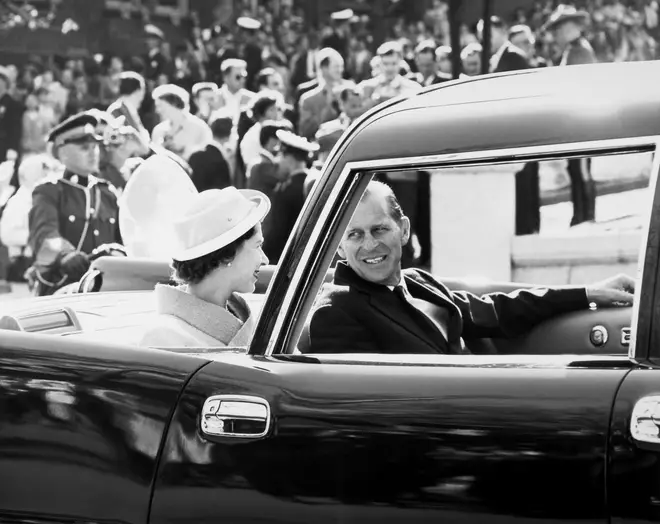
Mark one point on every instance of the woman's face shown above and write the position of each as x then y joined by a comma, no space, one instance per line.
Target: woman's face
244,269
165,110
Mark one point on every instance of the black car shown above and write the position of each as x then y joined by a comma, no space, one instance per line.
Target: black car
561,424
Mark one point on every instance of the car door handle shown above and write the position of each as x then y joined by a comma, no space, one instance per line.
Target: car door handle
237,416
645,422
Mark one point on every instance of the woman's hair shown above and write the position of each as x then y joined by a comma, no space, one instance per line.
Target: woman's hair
196,270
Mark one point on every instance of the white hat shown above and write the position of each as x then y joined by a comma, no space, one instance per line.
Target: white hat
215,218
296,142
248,23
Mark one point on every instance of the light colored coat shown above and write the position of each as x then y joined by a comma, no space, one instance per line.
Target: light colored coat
185,321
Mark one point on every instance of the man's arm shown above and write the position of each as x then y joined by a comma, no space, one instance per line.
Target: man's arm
44,237
334,330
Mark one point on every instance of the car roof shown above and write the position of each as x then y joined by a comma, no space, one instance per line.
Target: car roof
536,107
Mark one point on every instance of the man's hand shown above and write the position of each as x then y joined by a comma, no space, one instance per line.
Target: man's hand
617,291
74,264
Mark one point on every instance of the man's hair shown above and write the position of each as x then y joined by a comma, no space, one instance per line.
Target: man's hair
426,47
379,189
348,91
130,82
221,127
230,64
264,76
269,130
263,102
391,48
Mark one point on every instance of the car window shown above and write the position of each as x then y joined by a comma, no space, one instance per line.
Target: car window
472,238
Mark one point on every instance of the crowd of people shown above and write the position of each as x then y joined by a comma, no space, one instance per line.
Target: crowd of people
260,104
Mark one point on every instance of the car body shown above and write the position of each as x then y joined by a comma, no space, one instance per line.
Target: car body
558,425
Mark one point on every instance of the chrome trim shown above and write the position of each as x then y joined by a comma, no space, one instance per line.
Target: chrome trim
645,420
625,337
507,155
213,404
641,260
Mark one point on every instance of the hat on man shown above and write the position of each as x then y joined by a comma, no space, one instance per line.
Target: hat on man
203,86
342,16
565,13
215,218
293,141
154,32
245,22
78,129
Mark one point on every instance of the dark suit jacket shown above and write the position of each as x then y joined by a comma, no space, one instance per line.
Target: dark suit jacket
263,176
511,59
11,125
438,78
356,316
210,169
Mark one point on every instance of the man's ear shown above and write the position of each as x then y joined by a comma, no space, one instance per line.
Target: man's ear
341,252
405,230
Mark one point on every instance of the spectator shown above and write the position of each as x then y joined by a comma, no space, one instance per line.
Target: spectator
132,91
471,60
157,62
204,94
232,96
79,97
10,120
36,126
210,166
110,80
443,59
267,105
263,174
427,66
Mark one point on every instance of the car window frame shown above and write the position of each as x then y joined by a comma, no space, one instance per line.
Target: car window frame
349,181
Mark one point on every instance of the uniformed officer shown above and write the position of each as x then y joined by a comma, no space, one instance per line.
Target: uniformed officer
289,195
567,24
74,214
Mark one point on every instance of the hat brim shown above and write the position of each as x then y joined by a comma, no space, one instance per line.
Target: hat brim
580,16
81,140
252,219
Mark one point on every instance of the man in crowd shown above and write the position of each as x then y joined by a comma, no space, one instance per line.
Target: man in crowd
232,97
351,106
11,115
267,105
567,24
210,166
390,83
289,195
320,104
339,37
250,50
505,56
157,63
427,66
443,59
373,306
132,90
204,94
265,174
471,60
72,215
522,37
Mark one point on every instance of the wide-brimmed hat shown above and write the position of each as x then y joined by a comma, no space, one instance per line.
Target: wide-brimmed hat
565,13
215,218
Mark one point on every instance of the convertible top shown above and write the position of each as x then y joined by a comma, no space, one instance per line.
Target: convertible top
539,107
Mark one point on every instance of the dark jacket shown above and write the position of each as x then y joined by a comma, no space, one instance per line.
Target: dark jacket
511,59
579,52
356,316
58,217
210,169
263,176
11,125
437,78
287,202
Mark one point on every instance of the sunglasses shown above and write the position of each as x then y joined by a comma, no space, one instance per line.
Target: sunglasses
242,76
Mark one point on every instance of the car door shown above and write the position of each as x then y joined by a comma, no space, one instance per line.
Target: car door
390,439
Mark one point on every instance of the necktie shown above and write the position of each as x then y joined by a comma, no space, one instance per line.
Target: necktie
434,327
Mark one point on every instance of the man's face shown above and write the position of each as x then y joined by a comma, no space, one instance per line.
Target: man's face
444,63
373,242
335,69
472,64
236,78
524,43
276,83
352,107
205,99
425,63
566,32
391,65
82,159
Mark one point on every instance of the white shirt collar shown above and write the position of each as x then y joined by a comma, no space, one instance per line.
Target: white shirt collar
402,283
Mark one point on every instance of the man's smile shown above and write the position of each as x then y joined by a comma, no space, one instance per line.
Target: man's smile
374,260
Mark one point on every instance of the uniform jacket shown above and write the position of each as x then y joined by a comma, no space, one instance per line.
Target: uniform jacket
11,125
578,52
315,110
185,321
356,316
58,219
210,169
509,58
288,200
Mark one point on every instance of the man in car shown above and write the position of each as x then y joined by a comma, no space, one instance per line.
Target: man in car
74,214
374,307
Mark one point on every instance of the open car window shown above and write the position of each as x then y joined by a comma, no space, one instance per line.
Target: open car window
488,229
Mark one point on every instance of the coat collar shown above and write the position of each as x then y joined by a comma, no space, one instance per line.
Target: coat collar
418,286
231,328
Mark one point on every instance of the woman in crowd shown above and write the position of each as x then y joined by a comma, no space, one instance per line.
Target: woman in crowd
179,131
219,255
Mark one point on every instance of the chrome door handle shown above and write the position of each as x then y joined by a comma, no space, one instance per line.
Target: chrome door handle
645,422
235,416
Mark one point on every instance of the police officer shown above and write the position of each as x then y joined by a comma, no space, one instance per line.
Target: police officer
72,215
289,195
567,24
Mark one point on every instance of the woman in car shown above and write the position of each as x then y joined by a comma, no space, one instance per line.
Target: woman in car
219,255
